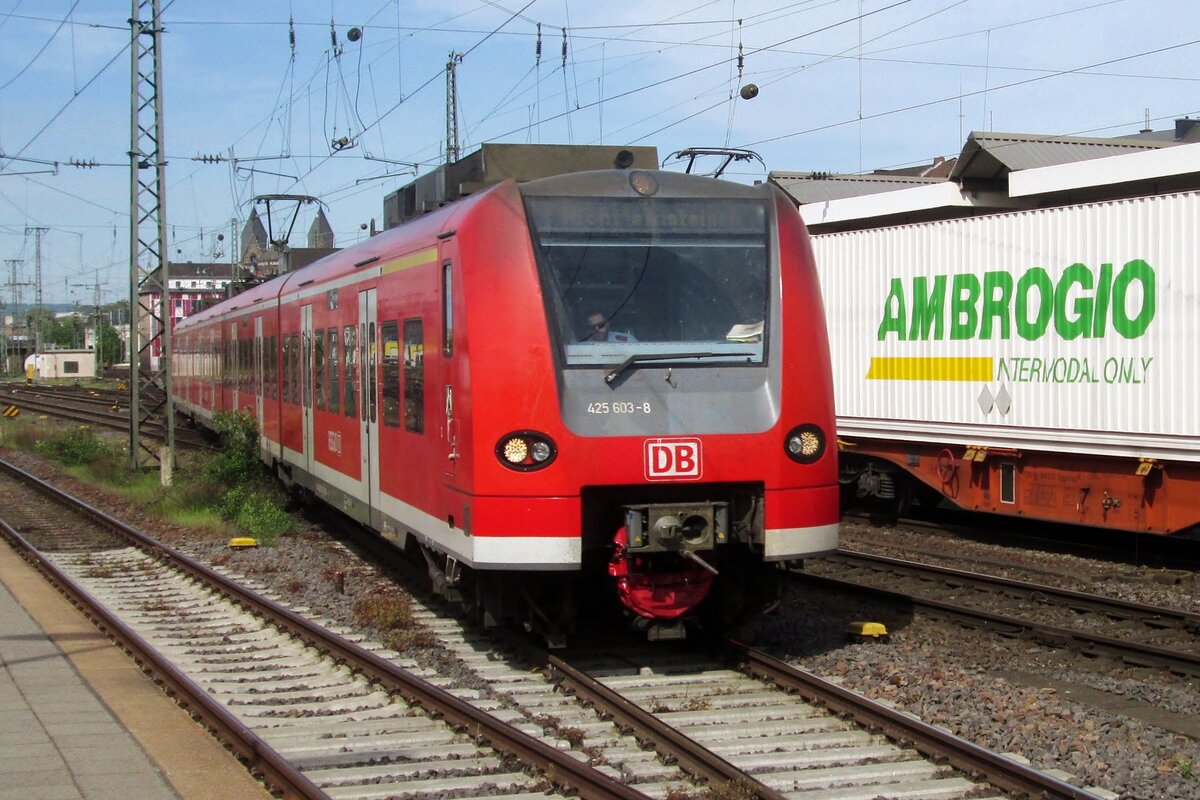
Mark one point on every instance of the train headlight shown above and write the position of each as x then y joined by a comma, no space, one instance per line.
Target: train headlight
525,450
804,444
516,450
540,451
643,183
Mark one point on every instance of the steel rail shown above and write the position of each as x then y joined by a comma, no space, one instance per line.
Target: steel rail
933,742
690,755
119,422
274,769
561,767
86,397
1088,643
1069,597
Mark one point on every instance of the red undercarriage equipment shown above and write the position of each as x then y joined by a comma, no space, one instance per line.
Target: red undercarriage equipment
649,591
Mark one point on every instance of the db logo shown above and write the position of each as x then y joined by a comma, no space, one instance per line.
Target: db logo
673,459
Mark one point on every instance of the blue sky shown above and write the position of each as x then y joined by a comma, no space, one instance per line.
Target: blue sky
845,86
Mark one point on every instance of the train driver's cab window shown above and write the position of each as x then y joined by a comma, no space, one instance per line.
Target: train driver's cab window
654,276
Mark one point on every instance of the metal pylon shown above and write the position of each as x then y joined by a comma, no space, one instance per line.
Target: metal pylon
452,150
149,295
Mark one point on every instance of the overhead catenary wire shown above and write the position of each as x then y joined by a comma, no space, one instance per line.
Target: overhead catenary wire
293,91
952,98
38,54
428,81
523,127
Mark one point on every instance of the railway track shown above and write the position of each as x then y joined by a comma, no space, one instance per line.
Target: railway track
312,707
103,409
317,714
1169,552
1136,633
724,716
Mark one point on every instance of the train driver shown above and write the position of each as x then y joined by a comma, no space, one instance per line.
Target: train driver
599,330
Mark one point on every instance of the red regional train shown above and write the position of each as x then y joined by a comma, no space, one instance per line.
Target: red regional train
604,384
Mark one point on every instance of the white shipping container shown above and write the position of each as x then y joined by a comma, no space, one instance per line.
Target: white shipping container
1070,329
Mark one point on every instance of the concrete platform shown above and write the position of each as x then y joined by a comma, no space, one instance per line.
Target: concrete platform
79,720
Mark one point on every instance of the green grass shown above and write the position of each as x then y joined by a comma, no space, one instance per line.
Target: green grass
228,492
200,519
21,434
140,488
391,613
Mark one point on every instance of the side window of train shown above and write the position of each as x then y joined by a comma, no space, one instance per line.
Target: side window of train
289,368
414,376
447,310
274,368
297,374
269,367
348,345
332,357
245,354
389,335
319,369
285,374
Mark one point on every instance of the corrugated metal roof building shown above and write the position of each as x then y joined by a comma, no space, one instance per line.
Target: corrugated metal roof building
1000,172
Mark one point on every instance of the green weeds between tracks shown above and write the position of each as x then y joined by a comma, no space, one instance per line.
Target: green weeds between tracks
229,492
391,613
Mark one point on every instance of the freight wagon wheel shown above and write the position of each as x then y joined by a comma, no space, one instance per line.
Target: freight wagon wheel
946,466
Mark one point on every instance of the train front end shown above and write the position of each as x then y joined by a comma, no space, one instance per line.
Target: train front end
693,385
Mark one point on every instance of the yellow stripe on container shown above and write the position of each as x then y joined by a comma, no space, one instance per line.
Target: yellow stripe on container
931,369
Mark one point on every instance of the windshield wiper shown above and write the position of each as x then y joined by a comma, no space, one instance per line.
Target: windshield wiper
637,358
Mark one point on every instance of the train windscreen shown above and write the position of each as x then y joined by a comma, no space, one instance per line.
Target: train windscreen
654,277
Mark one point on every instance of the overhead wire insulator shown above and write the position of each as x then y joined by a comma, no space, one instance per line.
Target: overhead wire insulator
292,35
741,56
333,37
538,49
564,48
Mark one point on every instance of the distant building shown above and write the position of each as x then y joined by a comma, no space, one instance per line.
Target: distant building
984,178
191,287
64,364
320,234
258,258
262,260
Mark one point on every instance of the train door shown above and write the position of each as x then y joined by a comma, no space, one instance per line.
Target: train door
258,375
306,378
368,361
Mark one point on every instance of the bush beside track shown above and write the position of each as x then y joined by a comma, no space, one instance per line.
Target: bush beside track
228,491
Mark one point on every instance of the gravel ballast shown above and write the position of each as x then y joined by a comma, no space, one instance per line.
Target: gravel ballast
1012,696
